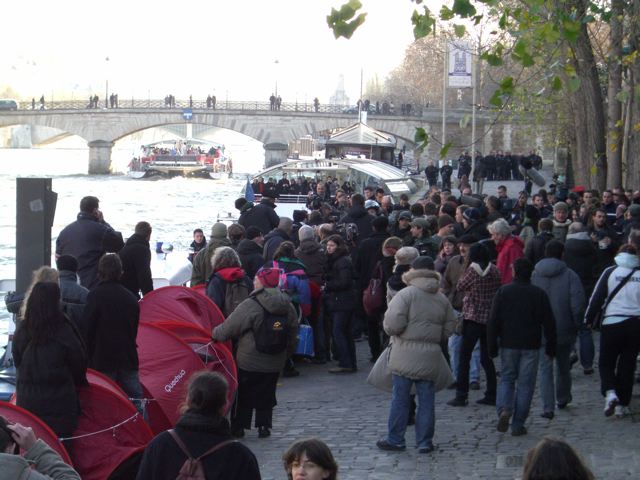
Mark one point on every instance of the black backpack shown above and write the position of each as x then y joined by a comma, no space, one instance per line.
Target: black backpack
271,333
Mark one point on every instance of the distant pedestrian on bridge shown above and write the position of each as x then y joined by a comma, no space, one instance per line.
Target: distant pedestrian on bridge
213,102
42,102
316,104
33,103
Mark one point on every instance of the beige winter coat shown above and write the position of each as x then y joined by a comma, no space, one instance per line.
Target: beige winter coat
418,320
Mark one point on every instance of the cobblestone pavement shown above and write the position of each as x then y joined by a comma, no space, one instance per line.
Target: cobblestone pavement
350,415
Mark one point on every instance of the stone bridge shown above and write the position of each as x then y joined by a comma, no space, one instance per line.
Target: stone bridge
101,128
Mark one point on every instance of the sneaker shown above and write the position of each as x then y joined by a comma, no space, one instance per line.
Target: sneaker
518,431
621,412
547,415
458,402
486,401
427,449
384,445
503,421
610,403
263,432
474,386
588,371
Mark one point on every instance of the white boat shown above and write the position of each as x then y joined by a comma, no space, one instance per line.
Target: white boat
187,158
358,171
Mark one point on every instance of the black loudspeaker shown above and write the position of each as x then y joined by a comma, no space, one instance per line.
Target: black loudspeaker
35,210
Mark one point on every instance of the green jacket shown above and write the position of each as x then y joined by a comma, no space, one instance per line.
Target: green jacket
202,268
48,465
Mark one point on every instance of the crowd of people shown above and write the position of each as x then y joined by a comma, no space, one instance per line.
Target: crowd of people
439,288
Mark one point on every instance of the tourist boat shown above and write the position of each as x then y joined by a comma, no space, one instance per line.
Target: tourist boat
356,170
186,158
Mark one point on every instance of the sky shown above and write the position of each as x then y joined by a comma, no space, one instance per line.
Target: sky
227,48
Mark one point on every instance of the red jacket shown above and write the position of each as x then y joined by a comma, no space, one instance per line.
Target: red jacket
508,252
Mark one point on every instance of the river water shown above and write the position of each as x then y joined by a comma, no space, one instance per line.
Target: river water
173,207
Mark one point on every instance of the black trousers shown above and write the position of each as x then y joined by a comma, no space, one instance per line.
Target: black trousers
256,391
471,333
619,347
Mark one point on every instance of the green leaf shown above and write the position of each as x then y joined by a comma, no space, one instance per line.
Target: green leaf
421,138
574,84
570,30
496,98
492,59
459,30
502,23
521,53
464,121
342,21
636,91
556,83
423,24
446,14
507,85
463,8
445,148
622,96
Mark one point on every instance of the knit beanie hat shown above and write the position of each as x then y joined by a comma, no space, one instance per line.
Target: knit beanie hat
561,206
406,255
219,230
423,263
269,277
444,220
305,233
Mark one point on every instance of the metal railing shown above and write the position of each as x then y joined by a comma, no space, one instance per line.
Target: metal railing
201,105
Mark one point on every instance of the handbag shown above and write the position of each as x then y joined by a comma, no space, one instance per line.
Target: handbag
373,296
380,375
305,340
597,322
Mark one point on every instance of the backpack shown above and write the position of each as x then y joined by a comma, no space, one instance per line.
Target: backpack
373,296
271,333
235,293
192,468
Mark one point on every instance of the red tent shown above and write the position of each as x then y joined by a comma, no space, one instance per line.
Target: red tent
15,414
166,363
180,304
111,432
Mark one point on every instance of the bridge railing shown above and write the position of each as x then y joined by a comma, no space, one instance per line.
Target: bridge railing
232,105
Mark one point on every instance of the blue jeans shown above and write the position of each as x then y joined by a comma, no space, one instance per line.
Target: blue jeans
399,412
587,348
455,341
517,383
343,338
129,381
556,389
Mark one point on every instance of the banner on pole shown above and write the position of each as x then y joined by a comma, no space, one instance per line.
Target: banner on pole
460,65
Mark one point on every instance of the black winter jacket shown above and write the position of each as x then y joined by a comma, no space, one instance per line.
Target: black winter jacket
534,251
362,219
251,258
73,296
111,318
519,313
48,374
272,241
366,256
580,255
136,265
163,458
87,239
340,295
262,216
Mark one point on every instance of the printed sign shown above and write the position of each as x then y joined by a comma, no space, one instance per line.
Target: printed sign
460,65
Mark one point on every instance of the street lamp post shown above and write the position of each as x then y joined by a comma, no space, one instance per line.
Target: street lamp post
276,64
106,89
